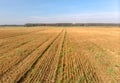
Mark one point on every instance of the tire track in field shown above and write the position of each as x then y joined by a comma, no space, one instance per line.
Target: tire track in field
59,72
19,60
19,71
41,64
76,68
26,55
22,59
50,75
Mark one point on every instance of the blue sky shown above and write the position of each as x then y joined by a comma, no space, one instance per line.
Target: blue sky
52,11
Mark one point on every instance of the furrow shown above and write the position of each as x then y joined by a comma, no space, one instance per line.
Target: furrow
18,57
22,59
24,66
44,49
54,67
42,70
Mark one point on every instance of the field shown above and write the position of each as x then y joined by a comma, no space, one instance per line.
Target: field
60,54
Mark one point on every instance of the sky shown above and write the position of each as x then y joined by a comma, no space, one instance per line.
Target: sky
59,11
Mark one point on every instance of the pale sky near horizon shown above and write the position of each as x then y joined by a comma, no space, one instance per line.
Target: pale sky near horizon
59,11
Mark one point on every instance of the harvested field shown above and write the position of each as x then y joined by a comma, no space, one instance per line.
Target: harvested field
60,55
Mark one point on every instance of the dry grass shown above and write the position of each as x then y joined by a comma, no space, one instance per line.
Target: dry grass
60,55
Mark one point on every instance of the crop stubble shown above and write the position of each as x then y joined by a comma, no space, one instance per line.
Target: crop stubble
60,55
